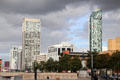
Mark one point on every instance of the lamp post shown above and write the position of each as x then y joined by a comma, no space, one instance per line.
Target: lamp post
91,65
35,70
118,71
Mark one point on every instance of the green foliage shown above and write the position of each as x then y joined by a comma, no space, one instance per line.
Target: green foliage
41,66
75,64
100,61
103,61
89,59
64,64
34,66
49,65
114,62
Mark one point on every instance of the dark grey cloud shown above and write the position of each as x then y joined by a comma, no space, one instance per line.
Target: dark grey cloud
36,6
50,37
47,6
106,5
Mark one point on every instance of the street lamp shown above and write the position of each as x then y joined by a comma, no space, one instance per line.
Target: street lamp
91,65
35,70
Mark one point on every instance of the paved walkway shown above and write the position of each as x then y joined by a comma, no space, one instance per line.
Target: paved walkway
84,79
89,79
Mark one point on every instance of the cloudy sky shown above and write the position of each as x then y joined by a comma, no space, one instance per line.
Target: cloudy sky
62,20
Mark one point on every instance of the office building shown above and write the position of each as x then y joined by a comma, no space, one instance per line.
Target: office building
0,65
95,31
16,58
30,41
55,51
114,44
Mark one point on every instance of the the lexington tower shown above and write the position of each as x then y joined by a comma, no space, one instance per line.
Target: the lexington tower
95,31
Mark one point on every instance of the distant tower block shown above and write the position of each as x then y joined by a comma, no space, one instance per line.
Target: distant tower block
30,41
95,31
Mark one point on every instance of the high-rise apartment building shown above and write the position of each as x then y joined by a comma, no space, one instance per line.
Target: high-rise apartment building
95,31
30,41
55,51
16,57
114,44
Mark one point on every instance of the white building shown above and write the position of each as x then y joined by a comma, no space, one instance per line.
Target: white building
30,41
16,58
55,51
41,57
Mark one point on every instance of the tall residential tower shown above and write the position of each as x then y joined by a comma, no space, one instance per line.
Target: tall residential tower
95,31
30,41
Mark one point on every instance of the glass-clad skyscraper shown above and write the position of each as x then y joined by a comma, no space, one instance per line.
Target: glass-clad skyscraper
95,31
30,41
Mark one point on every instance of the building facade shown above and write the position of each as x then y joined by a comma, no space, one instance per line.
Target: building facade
114,44
0,65
30,41
16,58
55,51
41,57
95,31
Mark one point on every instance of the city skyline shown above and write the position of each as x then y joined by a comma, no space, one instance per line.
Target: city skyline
68,18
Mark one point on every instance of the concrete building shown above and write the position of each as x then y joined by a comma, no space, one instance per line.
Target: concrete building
0,65
95,31
16,58
41,57
114,44
55,51
30,41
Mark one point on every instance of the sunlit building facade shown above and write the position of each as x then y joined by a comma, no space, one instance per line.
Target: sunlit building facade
31,41
55,51
95,31
41,57
16,57
114,44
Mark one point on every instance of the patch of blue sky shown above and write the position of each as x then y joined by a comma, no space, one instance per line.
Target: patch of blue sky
79,43
104,43
76,25
4,56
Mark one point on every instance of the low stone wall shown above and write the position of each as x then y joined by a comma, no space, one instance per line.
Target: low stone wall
66,76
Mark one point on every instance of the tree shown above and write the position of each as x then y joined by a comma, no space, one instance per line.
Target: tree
56,66
49,65
114,62
35,65
75,64
41,66
101,61
89,58
64,63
